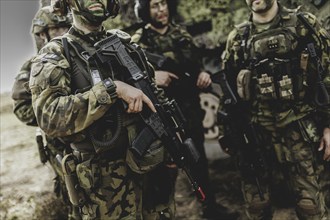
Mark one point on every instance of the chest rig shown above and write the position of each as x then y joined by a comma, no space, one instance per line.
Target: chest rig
92,64
88,69
276,59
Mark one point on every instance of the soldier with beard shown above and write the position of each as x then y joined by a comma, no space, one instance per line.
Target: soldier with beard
182,80
279,63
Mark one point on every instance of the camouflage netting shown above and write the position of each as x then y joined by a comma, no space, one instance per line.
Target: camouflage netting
223,14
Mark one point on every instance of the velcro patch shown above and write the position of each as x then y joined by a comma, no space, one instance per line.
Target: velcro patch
36,69
52,56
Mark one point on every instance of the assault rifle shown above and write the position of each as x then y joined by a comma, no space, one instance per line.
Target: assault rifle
166,63
183,71
239,136
167,123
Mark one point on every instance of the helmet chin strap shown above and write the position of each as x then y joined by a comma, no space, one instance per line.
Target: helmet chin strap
91,18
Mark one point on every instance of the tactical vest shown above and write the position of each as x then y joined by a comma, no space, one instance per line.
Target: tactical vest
276,58
111,130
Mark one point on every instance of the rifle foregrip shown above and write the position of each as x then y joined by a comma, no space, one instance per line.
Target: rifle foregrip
191,150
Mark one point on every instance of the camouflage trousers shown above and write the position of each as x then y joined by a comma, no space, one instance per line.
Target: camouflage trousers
113,191
324,173
290,150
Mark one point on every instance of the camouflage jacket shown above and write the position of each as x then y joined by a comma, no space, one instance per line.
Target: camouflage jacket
22,96
23,109
282,72
177,45
63,111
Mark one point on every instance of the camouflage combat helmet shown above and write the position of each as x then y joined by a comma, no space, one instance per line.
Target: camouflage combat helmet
45,19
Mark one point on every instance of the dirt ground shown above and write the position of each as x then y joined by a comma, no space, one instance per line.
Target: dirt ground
26,184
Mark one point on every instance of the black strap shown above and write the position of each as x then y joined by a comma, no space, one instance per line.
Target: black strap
72,52
66,51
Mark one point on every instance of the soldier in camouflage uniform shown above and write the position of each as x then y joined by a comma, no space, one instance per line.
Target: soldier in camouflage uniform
45,26
91,107
182,81
280,77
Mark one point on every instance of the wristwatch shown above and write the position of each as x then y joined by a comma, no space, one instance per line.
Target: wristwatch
110,86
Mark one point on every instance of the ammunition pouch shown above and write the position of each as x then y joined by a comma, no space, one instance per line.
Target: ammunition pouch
285,88
75,192
266,88
279,79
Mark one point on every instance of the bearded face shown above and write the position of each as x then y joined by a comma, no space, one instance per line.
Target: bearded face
260,6
159,13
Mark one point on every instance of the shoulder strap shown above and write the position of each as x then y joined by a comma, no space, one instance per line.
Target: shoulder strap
74,53
66,51
243,31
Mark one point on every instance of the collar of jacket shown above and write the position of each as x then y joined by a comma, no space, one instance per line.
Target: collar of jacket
91,38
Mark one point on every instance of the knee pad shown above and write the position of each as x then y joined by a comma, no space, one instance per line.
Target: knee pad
307,206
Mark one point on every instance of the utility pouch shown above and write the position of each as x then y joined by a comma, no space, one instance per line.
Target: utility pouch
243,84
285,88
76,194
310,132
266,87
89,174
